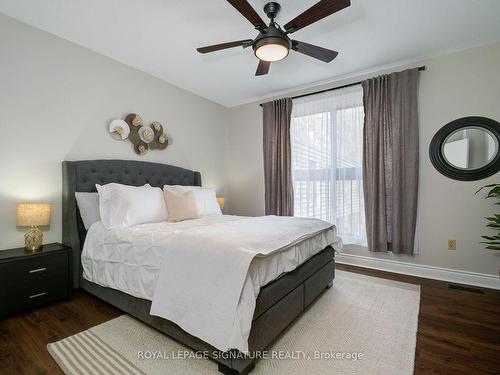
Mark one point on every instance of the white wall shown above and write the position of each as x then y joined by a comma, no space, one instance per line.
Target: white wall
462,84
56,100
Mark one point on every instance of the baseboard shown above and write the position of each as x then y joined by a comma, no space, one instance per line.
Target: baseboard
420,270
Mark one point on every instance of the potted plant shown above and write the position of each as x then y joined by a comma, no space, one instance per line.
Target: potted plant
493,242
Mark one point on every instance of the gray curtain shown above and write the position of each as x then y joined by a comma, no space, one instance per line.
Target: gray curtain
278,157
390,161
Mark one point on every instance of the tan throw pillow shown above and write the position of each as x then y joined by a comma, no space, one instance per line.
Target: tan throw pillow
181,205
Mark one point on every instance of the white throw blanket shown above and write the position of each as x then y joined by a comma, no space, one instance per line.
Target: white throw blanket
204,269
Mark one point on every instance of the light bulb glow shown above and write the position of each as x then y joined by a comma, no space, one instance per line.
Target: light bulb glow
271,52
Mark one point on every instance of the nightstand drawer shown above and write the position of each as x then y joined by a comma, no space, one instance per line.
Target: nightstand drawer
33,294
31,279
33,270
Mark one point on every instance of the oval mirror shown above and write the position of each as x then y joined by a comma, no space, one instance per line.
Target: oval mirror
467,149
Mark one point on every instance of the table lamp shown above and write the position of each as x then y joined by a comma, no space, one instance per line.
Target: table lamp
33,215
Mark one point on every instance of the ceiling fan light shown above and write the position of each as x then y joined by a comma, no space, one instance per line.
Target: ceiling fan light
272,47
271,52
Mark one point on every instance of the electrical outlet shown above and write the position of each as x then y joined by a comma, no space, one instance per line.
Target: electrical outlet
452,244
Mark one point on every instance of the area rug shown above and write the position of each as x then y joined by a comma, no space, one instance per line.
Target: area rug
362,325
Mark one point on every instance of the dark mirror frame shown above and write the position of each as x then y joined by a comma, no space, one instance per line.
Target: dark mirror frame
445,168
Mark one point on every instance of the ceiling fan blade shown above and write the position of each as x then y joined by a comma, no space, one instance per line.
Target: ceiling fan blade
217,47
318,11
319,53
262,68
248,12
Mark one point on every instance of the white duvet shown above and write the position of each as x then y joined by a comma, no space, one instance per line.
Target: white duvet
204,274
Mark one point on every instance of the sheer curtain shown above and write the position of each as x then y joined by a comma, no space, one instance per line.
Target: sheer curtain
327,159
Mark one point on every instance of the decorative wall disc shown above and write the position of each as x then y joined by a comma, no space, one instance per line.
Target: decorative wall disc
147,135
156,126
141,148
134,120
142,137
119,129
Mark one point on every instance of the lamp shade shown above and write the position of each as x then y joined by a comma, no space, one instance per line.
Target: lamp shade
29,214
221,202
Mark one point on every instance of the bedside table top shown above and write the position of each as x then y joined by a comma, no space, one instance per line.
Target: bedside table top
51,248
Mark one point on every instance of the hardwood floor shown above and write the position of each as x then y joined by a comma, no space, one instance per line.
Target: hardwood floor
458,331
24,336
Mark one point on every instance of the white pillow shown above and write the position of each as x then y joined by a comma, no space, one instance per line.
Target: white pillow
206,200
88,204
122,206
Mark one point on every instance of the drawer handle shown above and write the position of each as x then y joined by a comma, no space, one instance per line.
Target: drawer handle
38,270
38,295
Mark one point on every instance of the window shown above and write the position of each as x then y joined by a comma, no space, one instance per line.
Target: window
327,142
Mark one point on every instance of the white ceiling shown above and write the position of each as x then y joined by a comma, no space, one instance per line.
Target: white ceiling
159,37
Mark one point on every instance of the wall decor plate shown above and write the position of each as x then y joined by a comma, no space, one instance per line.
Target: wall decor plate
141,148
134,120
157,127
147,134
144,138
119,129
160,143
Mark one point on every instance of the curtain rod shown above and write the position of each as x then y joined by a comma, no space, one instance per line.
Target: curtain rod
420,68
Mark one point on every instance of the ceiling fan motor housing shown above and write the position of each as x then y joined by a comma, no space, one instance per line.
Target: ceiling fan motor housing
272,35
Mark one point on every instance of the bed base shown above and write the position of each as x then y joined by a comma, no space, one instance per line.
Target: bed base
278,305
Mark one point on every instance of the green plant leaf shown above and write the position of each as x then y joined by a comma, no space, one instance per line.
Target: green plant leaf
493,247
491,238
493,219
490,243
495,192
485,186
493,222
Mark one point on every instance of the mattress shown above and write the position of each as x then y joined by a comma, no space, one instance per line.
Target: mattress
129,259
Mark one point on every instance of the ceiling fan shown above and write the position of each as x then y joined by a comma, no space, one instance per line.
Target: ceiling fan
273,43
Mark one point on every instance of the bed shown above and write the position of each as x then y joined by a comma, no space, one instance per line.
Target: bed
278,303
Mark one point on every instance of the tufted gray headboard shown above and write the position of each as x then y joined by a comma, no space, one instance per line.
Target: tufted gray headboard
82,176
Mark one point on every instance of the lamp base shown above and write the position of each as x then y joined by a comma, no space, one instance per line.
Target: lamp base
33,239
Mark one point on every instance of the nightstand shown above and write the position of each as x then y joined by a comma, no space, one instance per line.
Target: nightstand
30,279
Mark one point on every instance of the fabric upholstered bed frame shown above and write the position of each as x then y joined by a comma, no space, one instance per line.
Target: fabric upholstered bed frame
278,303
